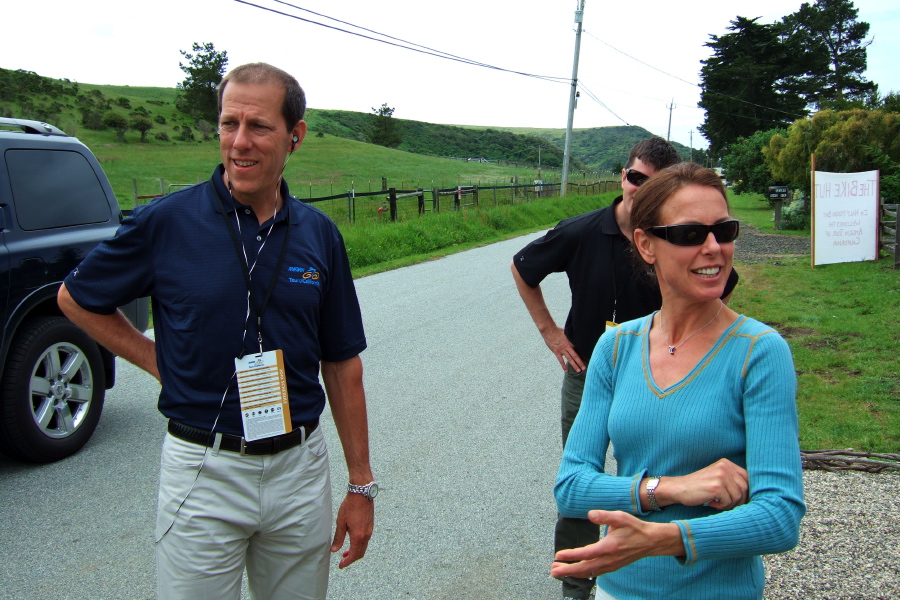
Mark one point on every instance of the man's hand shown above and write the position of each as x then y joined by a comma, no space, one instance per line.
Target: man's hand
356,516
554,336
562,349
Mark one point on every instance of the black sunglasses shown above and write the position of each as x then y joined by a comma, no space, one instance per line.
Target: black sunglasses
635,177
694,234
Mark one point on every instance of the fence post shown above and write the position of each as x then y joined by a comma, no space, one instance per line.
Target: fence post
475,197
457,198
392,202
384,186
351,194
495,195
889,232
436,198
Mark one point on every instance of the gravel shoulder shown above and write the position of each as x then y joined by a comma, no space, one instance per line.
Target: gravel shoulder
848,541
754,246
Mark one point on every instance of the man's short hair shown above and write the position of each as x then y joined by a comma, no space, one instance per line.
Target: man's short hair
294,106
656,152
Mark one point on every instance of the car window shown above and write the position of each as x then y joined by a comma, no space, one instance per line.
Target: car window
55,188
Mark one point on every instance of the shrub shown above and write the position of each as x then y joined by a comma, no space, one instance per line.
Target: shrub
162,136
92,119
795,216
160,119
117,122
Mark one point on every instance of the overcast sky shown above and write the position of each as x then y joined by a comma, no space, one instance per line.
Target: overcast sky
637,58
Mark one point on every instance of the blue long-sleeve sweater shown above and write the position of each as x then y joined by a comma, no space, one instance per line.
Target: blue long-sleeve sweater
738,403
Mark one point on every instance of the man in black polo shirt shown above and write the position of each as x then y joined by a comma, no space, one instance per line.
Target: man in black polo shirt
253,299
593,249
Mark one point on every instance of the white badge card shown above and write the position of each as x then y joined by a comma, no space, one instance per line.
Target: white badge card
610,325
262,388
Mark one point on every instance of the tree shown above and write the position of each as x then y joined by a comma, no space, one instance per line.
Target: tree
829,30
385,131
844,142
887,103
199,91
118,122
748,84
745,166
142,124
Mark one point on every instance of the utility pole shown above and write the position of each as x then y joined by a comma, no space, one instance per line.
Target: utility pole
669,133
579,17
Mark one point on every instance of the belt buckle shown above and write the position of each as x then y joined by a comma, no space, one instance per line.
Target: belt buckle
243,446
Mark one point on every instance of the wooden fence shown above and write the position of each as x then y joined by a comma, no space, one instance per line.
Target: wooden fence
389,203
889,233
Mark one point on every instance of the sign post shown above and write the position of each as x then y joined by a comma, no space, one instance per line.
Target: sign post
779,193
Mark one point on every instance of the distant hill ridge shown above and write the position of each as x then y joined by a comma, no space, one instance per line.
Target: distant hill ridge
27,95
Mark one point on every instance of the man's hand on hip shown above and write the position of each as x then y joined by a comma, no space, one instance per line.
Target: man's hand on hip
563,349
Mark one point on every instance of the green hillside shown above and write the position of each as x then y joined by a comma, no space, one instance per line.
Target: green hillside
79,109
604,148
447,140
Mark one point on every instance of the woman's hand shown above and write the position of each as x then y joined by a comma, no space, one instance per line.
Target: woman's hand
722,485
627,540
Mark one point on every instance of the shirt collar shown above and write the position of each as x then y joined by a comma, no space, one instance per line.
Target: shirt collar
609,225
231,204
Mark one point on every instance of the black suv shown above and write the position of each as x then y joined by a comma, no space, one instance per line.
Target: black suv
55,206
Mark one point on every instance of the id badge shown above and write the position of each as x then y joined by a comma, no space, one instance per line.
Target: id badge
610,325
262,388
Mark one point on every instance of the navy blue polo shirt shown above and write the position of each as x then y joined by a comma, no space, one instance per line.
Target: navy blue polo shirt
178,251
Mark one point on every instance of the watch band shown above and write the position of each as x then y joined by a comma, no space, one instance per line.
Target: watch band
370,490
651,493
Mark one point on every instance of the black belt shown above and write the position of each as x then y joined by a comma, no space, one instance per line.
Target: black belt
236,443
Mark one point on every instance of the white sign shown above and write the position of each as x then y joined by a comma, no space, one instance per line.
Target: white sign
845,217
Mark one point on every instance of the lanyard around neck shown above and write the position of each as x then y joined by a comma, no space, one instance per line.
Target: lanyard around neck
238,247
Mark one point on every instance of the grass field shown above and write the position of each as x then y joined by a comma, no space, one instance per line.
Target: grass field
841,323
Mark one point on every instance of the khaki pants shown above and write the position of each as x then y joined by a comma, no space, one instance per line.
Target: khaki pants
220,513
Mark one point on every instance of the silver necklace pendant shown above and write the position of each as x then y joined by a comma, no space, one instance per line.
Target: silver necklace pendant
672,349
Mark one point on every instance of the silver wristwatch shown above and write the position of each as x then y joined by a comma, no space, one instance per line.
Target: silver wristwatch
651,493
370,490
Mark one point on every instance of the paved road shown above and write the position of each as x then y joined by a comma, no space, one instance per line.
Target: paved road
463,412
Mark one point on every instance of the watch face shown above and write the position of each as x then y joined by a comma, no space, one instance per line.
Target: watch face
373,491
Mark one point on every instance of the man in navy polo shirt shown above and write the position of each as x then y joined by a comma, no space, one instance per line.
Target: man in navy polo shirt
252,298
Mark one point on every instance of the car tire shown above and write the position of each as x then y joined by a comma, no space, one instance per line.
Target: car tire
53,389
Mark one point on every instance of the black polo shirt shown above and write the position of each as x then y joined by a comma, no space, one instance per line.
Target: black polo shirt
596,258
178,251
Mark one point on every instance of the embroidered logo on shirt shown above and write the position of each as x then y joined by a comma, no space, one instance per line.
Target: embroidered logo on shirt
307,275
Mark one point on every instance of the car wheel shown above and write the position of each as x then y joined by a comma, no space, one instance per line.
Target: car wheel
53,389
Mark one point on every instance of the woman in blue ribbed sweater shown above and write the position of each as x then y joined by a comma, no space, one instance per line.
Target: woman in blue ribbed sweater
698,403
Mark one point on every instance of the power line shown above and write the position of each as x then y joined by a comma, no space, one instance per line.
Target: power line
593,97
398,43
